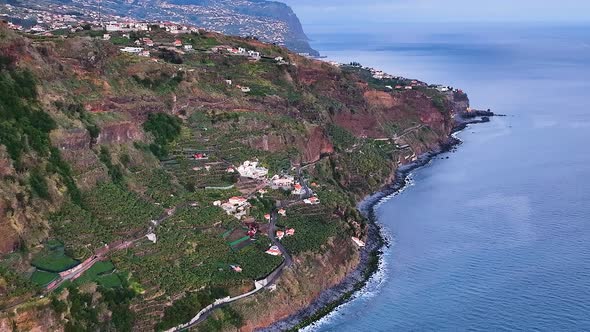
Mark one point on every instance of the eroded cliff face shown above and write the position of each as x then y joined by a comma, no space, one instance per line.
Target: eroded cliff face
312,144
300,285
39,318
294,118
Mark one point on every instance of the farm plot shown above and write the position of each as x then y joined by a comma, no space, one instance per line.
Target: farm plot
53,259
313,227
110,213
43,278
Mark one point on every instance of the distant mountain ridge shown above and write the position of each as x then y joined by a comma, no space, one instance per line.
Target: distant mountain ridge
270,21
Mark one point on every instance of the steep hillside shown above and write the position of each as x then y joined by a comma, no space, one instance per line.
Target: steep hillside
114,168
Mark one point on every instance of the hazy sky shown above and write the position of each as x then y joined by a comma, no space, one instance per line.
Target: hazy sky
358,11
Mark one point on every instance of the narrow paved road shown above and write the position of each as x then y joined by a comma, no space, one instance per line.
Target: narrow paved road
102,253
269,280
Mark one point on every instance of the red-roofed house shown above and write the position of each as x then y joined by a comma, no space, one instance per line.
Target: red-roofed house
178,43
274,251
280,234
282,212
312,200
267,216
297,189
290,232
200,156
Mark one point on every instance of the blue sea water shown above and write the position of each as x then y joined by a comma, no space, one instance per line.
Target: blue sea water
497,236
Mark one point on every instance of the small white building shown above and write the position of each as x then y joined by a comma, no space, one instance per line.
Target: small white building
254,54
131,49
358,242
188,47
312,200
152,237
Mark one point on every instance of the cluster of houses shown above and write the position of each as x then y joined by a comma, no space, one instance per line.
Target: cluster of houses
45,20
241,87
135,50
287,182
442,88
288,232
254,55
282,181
235,206
129,26
147,42
380,75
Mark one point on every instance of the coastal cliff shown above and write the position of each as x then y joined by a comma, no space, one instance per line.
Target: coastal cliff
117,180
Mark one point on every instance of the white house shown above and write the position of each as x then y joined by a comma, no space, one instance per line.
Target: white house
250,169
131,49
283,181
254,54
312,200
152,237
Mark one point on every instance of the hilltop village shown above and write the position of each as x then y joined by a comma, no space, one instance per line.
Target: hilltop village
186,179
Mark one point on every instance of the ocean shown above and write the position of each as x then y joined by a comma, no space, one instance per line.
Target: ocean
496,235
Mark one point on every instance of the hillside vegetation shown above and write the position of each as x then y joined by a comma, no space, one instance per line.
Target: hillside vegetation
98,161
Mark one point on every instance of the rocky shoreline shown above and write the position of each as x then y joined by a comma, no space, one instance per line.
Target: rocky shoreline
370,256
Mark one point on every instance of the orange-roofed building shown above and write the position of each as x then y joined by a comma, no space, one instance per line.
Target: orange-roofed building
282,212
298,189
267,216
280,234
290,232
236,200
274,251
177,43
